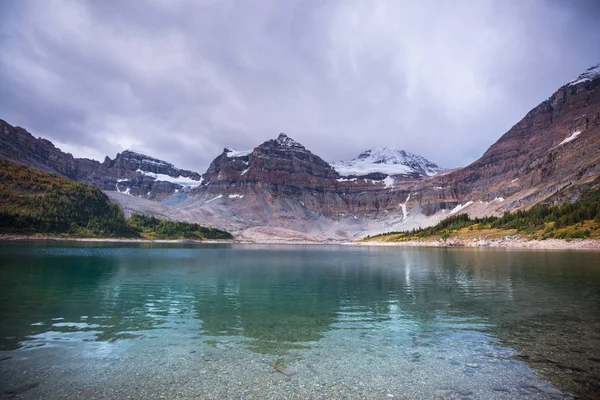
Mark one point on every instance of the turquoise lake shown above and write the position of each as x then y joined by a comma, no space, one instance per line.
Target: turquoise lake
107,320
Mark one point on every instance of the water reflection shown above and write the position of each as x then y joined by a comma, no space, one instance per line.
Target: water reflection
280,301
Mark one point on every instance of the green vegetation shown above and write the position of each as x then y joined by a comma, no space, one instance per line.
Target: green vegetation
154,228
579,220
34,202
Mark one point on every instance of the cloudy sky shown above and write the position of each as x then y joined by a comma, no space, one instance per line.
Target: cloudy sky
182,79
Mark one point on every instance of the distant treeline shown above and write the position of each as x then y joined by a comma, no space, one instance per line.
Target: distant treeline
548,221
163,229
34,202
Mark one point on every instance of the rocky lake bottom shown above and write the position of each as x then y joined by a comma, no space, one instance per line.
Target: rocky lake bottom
94,320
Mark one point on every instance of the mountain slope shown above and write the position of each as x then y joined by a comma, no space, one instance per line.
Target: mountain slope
130,172
384,162
143,176
554,148
37,202
20,147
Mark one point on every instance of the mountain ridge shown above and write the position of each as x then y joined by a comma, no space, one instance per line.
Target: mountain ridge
551,155
129,171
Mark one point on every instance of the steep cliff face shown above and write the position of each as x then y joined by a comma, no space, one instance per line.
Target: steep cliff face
281,161
555,147
130,172
19,146
143,176
283,177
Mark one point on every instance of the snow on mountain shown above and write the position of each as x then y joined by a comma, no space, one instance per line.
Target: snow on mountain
141,157
387,161
179,180
572,137
237,153
287,143
591,73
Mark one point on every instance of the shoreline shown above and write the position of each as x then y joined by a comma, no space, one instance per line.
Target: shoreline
509,242
18,238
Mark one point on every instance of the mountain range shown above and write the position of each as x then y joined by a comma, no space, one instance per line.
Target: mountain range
282,189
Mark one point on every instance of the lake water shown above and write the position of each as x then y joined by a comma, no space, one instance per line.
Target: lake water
213,321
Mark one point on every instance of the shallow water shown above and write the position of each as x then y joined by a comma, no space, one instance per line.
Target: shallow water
211,321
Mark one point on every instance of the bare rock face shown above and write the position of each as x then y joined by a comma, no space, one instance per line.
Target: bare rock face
554,148
129,172
19,146
128,161
143,176
283,177
281,161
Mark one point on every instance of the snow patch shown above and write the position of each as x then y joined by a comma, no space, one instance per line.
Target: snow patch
117,184
591,73
499,199
285,141
234,153
386,161
142,158
404,209
389,182
179,180
460,207
235,196
570,138
244,171
214,198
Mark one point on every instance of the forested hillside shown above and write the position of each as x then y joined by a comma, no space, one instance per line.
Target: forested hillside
154,228
577,220
34,202
37,202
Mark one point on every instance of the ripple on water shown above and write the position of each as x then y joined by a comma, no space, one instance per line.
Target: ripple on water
347,322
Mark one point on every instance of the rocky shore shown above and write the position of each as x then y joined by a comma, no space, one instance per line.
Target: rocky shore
516,242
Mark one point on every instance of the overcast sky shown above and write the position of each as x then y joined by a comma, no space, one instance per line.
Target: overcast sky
181,80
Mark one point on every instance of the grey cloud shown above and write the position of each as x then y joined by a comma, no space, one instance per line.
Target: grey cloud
182,79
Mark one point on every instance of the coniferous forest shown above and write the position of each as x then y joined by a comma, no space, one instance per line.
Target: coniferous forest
34,202
578,220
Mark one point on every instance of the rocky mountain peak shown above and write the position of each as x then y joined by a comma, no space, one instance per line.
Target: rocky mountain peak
142,159
388,162
284,142
590,74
